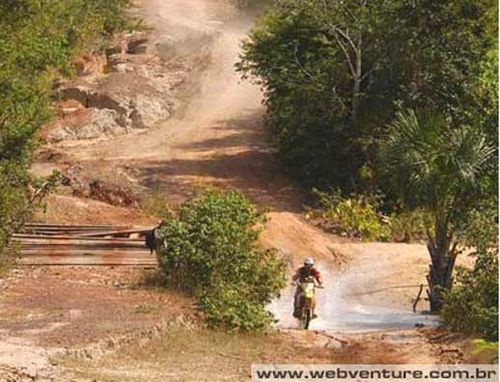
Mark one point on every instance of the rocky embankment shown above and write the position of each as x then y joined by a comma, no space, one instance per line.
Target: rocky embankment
133,85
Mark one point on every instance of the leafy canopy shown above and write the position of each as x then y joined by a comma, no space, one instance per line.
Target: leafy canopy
433,165
335,73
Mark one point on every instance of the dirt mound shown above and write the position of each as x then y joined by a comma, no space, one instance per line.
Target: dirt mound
104,190
65,209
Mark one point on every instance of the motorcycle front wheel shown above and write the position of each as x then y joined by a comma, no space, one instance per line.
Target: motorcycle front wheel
306,319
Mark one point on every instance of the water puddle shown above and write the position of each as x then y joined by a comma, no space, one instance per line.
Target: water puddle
356,301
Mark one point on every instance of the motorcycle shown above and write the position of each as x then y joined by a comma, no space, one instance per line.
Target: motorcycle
307,302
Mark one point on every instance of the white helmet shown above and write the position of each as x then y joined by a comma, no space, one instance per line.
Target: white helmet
309,262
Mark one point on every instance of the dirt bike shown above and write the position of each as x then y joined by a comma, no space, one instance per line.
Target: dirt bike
307,302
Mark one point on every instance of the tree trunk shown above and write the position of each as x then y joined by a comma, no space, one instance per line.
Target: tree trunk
357,78
443,258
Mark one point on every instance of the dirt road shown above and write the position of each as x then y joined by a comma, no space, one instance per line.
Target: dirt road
218,139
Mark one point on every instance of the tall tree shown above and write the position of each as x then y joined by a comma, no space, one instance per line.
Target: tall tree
437,167
320,63
444,46
333,72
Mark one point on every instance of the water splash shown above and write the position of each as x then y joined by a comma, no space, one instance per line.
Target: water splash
348,304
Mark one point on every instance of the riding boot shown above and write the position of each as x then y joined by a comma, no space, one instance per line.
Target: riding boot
296,309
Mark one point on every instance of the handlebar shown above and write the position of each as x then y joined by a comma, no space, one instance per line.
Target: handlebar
320,286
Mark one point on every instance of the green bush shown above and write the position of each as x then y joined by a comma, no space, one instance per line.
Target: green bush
406,226
212,252
472,305
354,216
359,216
14,205
334,73
484,350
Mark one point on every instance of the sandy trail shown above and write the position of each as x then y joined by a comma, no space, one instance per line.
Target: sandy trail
219,140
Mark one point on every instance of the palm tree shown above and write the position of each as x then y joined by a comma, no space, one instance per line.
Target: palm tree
434,166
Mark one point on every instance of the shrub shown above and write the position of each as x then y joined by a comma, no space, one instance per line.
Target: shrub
212,252
484,351
359,216
472,305
406,226
354,216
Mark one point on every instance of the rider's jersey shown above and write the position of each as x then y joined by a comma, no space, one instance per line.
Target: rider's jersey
303,273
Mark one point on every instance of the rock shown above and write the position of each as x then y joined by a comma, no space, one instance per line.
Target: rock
74,179
90,63
130,101
91,98
135,90
137,45
69,106
117,49
147,111
333,344
88,124
134,62
84,185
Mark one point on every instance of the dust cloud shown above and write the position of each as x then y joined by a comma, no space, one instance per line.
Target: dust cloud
196,27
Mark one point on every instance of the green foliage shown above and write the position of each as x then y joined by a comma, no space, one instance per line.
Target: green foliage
408,225
300,52
334,72
472,305
212,252
432,165
443,44
481,316
38,40
14,206
437,167
233,307
482,348
355,216
360,216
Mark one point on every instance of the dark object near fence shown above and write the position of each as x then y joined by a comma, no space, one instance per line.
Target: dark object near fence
149,241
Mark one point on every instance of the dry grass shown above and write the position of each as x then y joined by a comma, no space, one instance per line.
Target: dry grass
187,354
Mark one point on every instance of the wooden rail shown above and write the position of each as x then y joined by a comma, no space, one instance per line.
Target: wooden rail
59,244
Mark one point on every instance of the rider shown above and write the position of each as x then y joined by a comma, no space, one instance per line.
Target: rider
302,274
